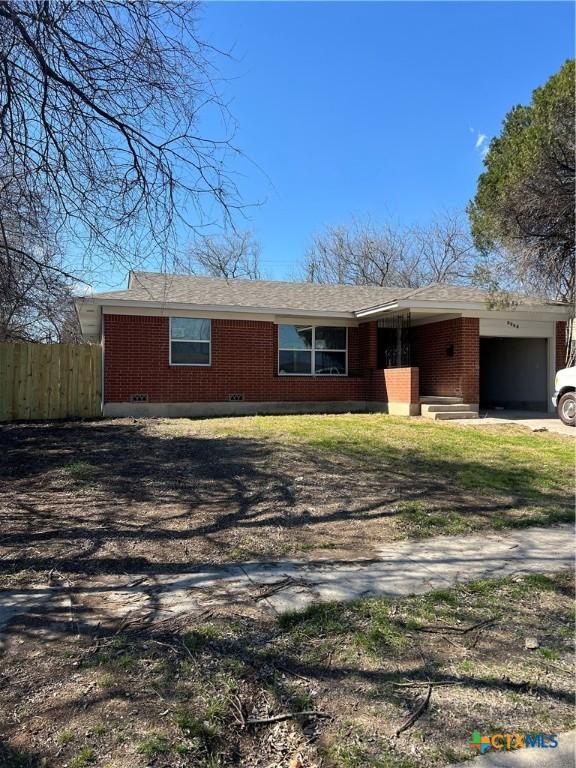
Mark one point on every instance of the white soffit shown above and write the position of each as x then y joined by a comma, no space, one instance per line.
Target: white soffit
517,328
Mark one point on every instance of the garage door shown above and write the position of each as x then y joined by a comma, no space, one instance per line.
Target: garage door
513,373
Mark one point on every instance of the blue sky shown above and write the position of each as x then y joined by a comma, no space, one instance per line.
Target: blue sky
372,109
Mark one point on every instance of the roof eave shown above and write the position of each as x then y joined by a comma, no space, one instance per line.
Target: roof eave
562,310
378,309
232,308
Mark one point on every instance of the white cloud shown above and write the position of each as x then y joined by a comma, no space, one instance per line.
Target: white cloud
482,145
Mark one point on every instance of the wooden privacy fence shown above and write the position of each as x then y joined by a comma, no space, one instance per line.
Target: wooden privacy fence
50,381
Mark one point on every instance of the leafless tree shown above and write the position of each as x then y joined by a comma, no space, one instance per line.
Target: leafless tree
444,251
365,254
234,254
99,115
36,304
35,291
359,254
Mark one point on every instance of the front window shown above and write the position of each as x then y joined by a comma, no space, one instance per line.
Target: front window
190,341
307,350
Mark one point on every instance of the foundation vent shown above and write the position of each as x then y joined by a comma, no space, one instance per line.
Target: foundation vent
236,397
140,398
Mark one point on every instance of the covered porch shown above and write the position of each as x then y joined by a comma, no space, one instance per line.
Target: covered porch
452,365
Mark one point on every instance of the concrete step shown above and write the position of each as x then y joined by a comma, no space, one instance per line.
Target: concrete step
448,407
434,400
446,415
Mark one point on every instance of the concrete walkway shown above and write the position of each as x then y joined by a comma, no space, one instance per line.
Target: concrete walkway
534,420
562,756
401,568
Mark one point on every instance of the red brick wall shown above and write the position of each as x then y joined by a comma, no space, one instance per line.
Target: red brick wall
397,385
368,346
470,359
440,373
561,344
244,360
394,385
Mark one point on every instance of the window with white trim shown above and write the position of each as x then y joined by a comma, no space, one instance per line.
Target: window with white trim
312,350
190,341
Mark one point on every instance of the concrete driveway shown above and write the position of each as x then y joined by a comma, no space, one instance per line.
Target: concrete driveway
536,421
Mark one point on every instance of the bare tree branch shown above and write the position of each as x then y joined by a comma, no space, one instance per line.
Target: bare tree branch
365,254
233,255
100,106
35,287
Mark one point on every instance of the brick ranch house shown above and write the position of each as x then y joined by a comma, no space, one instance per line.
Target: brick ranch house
177,345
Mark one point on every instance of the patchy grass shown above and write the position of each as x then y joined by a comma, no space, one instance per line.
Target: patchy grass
65,737
196,639
190,688
502,459
86,756
153,746
18,758
323,617
204,730
79,470
359,756
419,520
548,653
133,497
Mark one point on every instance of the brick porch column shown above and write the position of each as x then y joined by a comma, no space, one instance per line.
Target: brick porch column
470,359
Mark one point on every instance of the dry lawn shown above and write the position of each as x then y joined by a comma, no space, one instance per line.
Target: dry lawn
178,695
133,497
160,496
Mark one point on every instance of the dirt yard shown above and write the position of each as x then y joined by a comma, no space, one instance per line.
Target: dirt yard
131,497
126,496
499,654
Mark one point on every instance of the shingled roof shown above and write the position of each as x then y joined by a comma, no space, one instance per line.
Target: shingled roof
275,295
272,294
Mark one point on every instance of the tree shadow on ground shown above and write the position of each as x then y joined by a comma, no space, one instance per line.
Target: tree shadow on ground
20,758
107,497
224,669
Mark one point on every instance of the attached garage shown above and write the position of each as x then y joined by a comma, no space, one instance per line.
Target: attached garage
517,364
514,373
